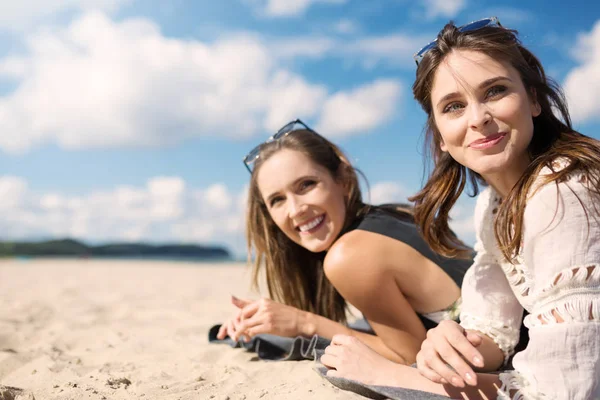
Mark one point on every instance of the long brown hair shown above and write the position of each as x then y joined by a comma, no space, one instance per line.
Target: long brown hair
294,275
553,137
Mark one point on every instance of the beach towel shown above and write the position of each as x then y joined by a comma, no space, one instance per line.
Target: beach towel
275,348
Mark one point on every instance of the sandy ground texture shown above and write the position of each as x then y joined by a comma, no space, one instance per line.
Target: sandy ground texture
95,329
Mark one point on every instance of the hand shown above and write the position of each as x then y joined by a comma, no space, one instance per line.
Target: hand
230,327
266,316
348,357
443,354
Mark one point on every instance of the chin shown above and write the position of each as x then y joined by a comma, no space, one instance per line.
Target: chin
490,166
318,247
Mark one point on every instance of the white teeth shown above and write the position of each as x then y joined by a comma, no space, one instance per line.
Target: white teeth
312,224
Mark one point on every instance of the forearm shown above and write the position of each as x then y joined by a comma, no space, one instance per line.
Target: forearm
312,324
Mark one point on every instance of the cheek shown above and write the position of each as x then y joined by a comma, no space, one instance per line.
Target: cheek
340,208
277,217
452,133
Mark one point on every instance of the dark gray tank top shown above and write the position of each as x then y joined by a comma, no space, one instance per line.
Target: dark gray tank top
384,222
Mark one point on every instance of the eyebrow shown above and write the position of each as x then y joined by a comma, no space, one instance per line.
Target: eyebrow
294,183
483,84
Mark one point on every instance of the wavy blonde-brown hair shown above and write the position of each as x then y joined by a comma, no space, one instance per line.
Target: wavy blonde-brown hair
294,275
553,137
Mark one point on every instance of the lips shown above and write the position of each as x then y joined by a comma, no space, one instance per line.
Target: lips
488,141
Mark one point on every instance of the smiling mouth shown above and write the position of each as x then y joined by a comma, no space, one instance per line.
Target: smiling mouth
488,142
312,226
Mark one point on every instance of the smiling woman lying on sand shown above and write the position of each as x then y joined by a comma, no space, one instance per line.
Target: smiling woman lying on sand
322,247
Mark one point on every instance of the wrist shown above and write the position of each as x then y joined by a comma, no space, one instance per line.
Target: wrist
307,323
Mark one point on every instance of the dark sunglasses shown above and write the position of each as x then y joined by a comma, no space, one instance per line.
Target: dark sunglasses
288,128
472,26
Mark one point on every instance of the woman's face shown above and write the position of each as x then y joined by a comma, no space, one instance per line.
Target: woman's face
303,198
483,113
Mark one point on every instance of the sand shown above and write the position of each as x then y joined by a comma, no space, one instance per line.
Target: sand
97,329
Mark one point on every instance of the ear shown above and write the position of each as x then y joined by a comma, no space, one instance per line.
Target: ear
342,178
536,109
443,146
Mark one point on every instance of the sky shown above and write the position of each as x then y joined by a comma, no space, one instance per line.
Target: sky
127,120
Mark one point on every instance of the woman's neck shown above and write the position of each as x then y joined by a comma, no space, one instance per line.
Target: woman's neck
504,181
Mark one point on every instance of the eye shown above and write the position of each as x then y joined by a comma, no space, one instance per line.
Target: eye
495,91
453,108
275,200
307,184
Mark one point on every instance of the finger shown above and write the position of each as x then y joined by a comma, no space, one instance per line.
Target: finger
458,340
231,332
222,331
427,372
448,353
341,340
249,310
333,373
239,303
257,330
431,375
474,338
235,323
333,350
443,370
328,360
253,322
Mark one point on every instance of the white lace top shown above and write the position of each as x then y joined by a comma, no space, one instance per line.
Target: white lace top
557,280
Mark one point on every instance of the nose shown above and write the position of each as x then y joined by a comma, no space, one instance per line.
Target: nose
479,116
296,206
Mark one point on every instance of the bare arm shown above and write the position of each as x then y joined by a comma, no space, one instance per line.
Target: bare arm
312,324
364,267
268,316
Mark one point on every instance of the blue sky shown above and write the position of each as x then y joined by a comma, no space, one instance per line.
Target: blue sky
127,120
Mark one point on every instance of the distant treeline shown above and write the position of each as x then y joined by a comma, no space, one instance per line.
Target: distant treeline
70,247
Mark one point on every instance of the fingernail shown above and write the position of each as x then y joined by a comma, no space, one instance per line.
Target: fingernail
457,381
478,361
469,378
445,382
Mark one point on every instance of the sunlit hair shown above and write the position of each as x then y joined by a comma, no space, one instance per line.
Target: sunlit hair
553,137
294,275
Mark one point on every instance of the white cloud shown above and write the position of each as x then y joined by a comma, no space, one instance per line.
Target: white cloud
443,8
12,190
218,197
395,49
287,8
356,111
509,16
165,209
103,84
17,15
291,98
346,26
582,84
304,47
387,192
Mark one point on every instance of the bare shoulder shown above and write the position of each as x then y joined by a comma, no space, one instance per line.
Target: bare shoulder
358,248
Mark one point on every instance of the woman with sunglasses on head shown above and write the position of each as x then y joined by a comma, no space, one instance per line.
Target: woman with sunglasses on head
321,248
496,121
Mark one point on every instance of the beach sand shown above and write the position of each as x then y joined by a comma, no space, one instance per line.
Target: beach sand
96,329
